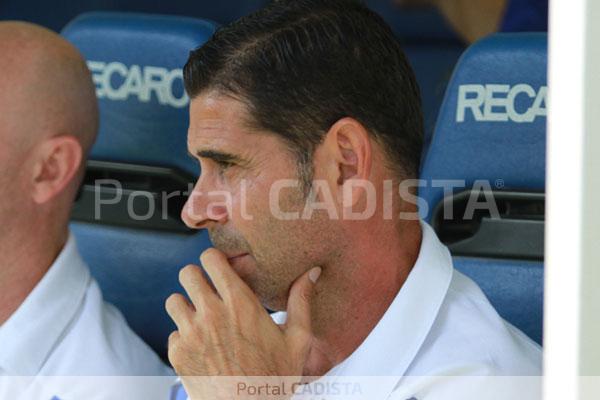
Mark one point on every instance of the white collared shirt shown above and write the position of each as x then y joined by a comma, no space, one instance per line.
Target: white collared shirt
64,328
439,324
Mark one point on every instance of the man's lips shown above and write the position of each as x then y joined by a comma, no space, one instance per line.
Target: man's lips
236,257
239,263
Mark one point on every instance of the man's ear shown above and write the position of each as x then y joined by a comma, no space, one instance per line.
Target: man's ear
57,161
348,151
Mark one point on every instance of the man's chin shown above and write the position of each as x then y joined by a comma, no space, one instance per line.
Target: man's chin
247,269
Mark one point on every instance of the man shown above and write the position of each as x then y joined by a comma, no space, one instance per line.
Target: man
305,116
52,317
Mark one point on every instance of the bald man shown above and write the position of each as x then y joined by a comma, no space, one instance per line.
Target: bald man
53,320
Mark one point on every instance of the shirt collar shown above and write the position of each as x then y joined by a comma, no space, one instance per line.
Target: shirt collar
31,333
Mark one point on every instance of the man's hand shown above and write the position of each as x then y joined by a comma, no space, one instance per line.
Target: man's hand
229,333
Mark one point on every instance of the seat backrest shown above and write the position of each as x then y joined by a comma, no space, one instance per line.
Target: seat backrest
126,220
484,173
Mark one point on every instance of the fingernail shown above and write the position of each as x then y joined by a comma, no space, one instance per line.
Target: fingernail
314,274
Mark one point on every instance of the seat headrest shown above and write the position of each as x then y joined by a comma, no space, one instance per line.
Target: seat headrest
136,62
492,124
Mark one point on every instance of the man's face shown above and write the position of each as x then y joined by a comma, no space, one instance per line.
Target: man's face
242,165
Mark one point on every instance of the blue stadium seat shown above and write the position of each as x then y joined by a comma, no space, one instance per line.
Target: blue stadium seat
490,141
135,255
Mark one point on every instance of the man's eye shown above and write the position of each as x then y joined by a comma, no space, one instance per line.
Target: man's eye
223,165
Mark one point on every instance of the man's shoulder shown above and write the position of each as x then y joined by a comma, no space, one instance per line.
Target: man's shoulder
100,342
468,335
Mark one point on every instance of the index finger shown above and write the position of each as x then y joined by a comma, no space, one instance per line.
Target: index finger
196,286
224,278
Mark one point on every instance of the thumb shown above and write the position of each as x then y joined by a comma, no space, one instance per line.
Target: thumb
298,305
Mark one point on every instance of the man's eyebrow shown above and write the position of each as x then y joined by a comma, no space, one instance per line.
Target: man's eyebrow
219,156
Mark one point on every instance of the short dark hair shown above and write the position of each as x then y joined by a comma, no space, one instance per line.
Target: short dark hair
301,65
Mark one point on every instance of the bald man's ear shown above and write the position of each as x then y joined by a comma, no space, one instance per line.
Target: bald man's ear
346,155
57,161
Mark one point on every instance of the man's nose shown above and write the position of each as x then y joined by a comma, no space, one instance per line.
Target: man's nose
203,208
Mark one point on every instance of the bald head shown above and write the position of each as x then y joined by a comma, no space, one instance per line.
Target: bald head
48,121
45,88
